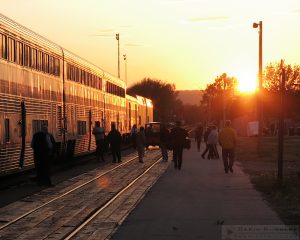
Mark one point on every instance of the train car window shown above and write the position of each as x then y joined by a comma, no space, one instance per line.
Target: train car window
100,83
34,58
75,74
51,64
81,127
19,53
11,49
68,71
81,76
71,72
27,56
46,63
88,83
3,46
40,62
57,67
37,125
93,81
78,74
6,129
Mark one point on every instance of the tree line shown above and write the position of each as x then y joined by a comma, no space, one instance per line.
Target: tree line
221,97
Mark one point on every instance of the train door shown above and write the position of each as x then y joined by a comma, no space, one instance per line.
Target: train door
129,116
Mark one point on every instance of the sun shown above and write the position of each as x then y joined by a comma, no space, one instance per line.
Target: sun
247,83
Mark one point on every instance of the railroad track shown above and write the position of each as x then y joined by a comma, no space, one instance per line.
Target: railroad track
48,204
98,210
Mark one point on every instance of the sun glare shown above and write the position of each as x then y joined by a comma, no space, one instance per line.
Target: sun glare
246,83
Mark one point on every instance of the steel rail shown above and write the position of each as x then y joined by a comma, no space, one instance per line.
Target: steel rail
110,201
64,194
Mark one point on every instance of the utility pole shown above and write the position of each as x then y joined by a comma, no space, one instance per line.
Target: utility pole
260,94
281,123
118,39
224,101
125,60
260,83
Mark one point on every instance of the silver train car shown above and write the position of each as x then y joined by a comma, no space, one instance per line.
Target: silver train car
41,82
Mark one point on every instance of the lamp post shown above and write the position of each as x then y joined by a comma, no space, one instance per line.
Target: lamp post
118,39
224,101
125,60
259,100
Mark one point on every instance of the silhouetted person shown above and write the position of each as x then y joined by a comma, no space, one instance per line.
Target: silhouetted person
164,137
100,141
198,136
43,145
177,137
114,138
205,137
133,133
212,142
227,140
141,143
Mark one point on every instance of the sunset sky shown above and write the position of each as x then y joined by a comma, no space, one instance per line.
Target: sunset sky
186,42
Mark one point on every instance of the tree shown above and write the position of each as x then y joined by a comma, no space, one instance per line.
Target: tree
271,92
163,96
215,94
272,75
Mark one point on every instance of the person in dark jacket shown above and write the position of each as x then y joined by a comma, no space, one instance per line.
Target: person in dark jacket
177,137
133,133
205,137
100,141
141,144
198,135
114,138
164,137
43,145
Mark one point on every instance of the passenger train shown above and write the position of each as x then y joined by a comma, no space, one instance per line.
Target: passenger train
41,82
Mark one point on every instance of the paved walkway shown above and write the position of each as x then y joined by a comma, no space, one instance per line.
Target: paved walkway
197,202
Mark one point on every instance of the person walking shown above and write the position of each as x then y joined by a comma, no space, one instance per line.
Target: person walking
164,137
198,135
114,138
227,140
205,137
133,133
100,141
141,144
212,141
177,136
43,145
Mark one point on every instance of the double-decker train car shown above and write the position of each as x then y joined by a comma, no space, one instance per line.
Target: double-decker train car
41,82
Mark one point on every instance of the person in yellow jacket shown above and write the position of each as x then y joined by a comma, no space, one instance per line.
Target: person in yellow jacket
227,140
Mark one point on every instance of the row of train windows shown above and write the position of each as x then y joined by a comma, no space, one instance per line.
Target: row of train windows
25,55
81,76
114,89
37,126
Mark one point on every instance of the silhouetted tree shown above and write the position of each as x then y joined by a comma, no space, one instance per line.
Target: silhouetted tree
213,97
272,75
271,94
162,94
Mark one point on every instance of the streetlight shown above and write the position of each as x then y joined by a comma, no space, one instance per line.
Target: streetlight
224,101
125,59
259,107
118,39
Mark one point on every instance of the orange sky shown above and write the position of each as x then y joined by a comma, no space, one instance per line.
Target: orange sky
186,42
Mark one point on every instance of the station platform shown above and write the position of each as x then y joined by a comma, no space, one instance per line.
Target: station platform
201,201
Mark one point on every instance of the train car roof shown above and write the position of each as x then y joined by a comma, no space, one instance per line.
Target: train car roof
16,28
